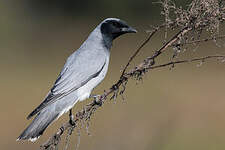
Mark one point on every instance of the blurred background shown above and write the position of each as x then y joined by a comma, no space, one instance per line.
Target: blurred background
178,109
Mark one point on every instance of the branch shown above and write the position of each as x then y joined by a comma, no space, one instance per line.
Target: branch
140,47
202,59
200,41
150,61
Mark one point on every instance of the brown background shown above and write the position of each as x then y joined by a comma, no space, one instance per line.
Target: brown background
179,109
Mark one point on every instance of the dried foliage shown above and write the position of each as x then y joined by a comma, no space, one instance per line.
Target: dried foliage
200,16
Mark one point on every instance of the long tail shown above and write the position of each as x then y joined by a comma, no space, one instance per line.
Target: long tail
38,125
47,115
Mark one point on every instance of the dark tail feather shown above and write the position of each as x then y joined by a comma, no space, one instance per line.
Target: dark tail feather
48,98
38,125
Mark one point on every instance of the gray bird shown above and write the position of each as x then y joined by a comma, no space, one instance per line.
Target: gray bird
82,72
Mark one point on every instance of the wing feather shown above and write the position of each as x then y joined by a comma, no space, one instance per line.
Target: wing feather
80,68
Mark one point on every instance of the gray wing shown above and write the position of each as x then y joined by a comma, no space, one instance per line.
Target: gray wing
78,70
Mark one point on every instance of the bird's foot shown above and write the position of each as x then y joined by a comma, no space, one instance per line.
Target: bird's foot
71,121
97,100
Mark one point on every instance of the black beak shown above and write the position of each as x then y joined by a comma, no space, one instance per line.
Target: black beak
129,30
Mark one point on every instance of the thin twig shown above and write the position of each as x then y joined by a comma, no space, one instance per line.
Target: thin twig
201,40
140,47
187,61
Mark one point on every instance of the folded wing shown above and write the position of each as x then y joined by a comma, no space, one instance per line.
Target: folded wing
78,70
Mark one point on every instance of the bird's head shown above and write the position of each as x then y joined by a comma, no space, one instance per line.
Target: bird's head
113,28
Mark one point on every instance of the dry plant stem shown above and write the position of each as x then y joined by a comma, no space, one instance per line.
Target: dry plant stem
202,40
140,47
151,60
202,59
157,52
53,142
172,63
152,32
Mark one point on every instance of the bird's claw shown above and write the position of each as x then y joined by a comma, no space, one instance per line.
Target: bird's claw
97,100
71,121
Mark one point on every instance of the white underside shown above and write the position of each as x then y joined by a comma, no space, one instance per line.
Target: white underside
33,139
84,92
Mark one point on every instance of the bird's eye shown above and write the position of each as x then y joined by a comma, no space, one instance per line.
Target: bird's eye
115,24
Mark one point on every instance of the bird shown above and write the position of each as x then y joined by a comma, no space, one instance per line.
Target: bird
83,71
